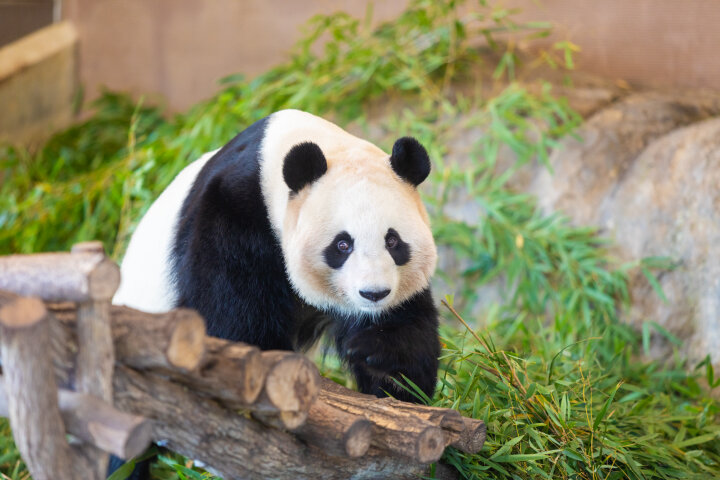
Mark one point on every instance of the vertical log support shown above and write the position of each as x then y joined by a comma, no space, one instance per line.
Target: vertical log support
32,393
95,356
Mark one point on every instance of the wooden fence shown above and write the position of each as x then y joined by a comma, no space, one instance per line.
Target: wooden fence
116,379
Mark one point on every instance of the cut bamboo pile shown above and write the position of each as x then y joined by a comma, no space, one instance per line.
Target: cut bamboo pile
116,379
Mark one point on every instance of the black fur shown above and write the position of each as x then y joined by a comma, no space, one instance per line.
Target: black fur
226,262
410,160
303,164
401,252
333,256
404,341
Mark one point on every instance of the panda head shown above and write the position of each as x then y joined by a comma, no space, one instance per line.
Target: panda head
356,236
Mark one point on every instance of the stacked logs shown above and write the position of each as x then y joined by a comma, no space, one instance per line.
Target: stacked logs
39,413
243,412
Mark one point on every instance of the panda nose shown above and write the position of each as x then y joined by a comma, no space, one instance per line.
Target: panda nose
374,295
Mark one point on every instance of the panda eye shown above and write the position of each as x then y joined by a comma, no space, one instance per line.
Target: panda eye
391,241
344,246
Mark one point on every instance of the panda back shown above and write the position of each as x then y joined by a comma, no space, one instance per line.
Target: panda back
146,268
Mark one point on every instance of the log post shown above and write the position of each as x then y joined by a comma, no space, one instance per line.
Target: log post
97,423
95,355
32,394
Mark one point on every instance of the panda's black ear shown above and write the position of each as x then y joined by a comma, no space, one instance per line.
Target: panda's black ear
410,160
303,164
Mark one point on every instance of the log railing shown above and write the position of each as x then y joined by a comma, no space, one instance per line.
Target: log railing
116,379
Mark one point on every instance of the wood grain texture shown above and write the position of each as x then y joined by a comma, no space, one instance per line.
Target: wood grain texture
32,393
97,423
335,431
291,386
393,430
75,277
237,446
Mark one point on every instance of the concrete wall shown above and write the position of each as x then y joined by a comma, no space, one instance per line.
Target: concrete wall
655,42
38,82
180,48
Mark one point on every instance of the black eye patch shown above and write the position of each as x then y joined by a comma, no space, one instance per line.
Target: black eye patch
338,251
399,250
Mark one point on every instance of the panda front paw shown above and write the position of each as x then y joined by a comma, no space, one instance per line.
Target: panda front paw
369,351
380,358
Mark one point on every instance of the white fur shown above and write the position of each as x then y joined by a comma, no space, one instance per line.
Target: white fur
146,283
286,129
360,194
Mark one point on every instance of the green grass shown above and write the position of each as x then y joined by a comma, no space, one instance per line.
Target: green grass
561,383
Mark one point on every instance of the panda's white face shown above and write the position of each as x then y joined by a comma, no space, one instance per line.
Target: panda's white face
358,241
354,233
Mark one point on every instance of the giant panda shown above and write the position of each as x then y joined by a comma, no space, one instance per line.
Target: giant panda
292,229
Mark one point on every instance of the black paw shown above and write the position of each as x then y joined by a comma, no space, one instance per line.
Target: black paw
369,349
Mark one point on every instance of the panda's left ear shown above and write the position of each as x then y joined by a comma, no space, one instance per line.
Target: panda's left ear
410,160
303,164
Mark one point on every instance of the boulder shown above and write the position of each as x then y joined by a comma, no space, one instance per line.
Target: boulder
587,169
668,204
646,170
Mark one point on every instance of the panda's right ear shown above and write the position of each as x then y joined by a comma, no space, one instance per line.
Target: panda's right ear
303,164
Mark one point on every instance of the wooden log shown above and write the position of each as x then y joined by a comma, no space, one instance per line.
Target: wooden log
472,437
291,386
232,372
174,340
95,353
59,277
63,347
32,394
95,422
449,420
237,446
336,432
95,358
175,344
465,434
395,431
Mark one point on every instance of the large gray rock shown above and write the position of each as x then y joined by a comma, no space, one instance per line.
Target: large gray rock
587,169
647,172
668,203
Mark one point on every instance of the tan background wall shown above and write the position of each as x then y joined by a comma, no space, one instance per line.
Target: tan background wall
180,48
655,42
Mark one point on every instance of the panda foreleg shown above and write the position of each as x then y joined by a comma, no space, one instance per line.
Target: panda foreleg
404,343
